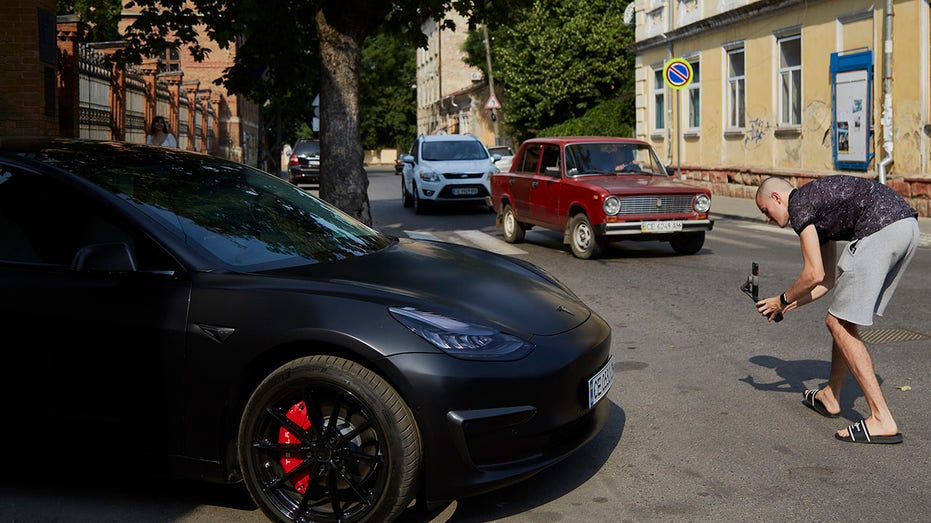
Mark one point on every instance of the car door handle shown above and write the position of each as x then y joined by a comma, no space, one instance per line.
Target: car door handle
511,181
533,183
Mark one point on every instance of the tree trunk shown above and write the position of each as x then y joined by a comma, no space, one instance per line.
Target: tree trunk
343,180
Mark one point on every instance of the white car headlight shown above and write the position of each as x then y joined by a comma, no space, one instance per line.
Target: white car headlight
467,341
702,203
429,176
611,205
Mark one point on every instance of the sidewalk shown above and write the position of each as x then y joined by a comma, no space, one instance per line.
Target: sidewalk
745,209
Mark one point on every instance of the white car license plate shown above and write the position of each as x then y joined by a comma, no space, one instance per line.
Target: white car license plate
465,191
663,226
600,383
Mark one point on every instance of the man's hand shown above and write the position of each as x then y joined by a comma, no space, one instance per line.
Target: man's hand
771,308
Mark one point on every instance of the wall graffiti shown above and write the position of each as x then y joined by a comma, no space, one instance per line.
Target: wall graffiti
757,129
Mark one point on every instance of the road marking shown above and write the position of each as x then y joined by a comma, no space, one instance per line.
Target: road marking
770,228
490,243
421,235
470,238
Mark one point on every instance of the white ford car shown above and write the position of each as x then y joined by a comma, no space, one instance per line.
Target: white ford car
447,168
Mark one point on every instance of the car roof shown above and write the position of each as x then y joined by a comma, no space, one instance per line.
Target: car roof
565,140
448,137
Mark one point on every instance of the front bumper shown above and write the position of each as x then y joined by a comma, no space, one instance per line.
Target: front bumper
634,228
485,425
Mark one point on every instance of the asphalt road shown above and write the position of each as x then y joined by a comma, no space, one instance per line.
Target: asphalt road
707,422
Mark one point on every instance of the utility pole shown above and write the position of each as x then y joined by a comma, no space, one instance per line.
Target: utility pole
491,83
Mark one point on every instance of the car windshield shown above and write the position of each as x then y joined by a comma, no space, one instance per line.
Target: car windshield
247,219
612,159
454,150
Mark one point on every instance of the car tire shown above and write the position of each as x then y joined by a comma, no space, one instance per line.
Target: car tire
323,433
513,229
689,243
420,206
582,238
406,198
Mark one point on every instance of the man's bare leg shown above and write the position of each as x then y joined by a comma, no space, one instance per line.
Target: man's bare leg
847,340
830,394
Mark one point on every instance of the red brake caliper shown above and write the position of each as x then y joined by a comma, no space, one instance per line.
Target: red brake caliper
298,414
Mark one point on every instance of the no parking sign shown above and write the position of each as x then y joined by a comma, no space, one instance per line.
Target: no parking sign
678,73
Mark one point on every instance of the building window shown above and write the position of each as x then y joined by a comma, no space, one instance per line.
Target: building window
659,100
736,89
694,91
790,80
169,60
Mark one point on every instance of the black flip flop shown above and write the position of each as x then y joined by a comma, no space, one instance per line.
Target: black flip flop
815,404
858,433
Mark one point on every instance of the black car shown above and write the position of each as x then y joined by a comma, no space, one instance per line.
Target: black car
304,164
178,313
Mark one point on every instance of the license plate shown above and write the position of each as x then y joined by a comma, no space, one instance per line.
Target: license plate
465,192
314,162
600,383
663,226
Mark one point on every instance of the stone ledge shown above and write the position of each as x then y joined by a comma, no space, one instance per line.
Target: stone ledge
742,182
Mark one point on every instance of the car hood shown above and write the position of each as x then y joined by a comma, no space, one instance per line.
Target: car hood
509,294
458,166
641,184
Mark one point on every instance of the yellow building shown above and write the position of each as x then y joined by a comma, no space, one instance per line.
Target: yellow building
452,96
795,88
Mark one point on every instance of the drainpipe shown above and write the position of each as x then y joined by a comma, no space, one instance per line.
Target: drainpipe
888,138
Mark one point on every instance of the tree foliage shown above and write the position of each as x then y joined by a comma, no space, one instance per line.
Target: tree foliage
101,16
558,70
286,46
387,86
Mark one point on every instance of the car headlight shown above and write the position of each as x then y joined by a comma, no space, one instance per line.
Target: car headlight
429,176
468,341
702,203
611,205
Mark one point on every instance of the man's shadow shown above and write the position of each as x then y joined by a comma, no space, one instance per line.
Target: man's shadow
795,373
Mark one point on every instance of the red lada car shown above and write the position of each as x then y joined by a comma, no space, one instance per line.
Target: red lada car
598,189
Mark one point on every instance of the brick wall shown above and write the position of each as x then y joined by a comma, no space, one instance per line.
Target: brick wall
28,83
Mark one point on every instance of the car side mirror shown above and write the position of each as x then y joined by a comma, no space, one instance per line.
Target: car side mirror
496,157
407,158
104,257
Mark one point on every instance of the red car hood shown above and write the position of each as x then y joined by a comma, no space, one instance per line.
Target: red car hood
641,184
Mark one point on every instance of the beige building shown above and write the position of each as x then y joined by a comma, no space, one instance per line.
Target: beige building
451,96
732,91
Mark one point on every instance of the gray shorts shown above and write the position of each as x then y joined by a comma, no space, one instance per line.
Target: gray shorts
869,269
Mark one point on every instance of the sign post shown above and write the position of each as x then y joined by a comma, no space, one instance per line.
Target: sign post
678,74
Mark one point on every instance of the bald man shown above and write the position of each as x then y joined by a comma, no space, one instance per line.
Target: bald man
882,231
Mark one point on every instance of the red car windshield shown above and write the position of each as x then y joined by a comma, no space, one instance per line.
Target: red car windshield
612,158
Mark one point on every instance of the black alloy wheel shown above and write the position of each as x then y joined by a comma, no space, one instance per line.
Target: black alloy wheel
325,439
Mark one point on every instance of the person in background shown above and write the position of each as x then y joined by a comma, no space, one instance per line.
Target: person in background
882,231
160,134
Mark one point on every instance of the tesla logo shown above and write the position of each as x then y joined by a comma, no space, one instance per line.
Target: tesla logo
563,309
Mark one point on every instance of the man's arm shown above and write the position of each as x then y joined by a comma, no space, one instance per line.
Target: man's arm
816,279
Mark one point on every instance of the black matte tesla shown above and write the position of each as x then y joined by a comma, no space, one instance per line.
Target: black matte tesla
182,313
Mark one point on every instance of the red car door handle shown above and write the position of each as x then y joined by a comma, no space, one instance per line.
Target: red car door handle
533,183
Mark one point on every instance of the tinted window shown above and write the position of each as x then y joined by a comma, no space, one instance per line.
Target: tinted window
44,222
244,217
307,148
